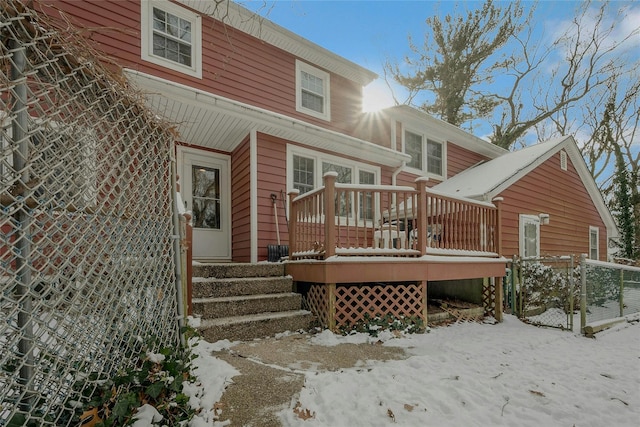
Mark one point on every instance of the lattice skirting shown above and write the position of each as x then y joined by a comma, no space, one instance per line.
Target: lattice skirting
489,297
341,305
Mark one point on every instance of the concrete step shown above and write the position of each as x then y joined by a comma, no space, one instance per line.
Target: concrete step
228,287
243,328
231,270
214,308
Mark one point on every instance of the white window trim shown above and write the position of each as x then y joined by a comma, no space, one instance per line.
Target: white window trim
597,231
523,220
146,33
301,66
319,158
425,138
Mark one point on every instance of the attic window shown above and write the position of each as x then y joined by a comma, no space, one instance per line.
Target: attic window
563,160
170,36
312,91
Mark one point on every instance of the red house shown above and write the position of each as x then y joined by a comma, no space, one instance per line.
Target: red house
273,146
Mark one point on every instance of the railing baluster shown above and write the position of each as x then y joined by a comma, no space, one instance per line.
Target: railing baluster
344,216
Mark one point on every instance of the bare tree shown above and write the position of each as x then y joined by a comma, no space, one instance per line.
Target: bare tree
457,56
591,60
464,72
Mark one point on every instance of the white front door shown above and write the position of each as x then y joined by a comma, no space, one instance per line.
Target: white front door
529,236
205,190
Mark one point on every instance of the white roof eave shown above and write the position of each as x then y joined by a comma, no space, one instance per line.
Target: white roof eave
213,121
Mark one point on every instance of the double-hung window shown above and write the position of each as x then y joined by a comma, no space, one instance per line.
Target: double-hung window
427,155
307,169
171,36
312,91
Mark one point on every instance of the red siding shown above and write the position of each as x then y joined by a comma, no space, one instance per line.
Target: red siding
561,194
235,64
240,203
272,166
459,159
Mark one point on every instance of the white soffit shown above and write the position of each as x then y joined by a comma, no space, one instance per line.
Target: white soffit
212,121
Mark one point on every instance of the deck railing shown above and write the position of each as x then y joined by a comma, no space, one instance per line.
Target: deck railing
386,220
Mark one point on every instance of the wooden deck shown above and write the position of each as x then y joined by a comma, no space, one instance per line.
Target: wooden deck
344,233
360,250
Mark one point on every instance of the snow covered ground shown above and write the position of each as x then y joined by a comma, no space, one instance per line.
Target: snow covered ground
471,374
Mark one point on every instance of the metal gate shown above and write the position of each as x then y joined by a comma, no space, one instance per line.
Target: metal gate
543,291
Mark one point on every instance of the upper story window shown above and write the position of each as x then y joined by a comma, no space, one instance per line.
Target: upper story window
413,147
312,91
594,242
427,156
171,36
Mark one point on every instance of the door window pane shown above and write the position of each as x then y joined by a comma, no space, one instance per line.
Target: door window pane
206,197
529,236
593,242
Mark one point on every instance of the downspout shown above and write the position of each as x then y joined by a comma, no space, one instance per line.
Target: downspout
396,172
394,179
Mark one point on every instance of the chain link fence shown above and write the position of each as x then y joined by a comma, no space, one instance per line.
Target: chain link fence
609,291
87,249
544,291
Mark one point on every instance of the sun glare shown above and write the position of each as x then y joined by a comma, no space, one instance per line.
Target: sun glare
376,96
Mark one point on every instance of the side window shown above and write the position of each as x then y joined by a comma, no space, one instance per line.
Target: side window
594,242
171,36
312,91
529,236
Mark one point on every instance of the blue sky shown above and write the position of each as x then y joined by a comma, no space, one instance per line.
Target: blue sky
368,31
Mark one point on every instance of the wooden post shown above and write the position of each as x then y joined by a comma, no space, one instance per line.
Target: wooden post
421,211
498,297
621,292
331,293
424,302
498,232
293,223
583,292
330,214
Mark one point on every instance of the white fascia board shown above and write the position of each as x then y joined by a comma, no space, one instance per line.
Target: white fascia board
569,145
439,129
